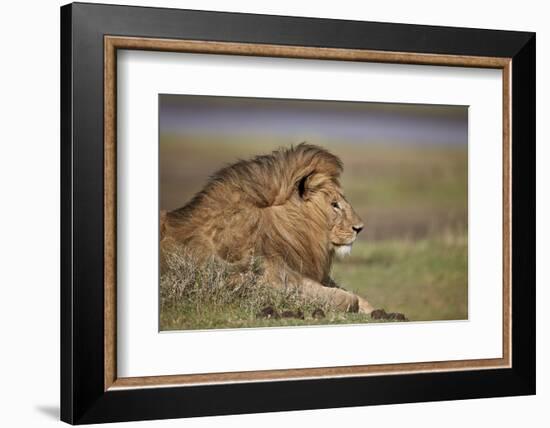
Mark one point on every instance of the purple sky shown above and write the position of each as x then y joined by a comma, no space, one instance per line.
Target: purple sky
358,122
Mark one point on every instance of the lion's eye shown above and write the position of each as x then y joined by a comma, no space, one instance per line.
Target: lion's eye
336,205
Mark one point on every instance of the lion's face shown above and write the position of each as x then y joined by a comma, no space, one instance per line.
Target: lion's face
344,223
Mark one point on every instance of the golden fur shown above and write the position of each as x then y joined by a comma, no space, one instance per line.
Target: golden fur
286,207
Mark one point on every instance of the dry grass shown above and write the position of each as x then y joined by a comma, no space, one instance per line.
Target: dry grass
217,294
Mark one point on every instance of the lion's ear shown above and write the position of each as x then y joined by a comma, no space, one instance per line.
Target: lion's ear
303,186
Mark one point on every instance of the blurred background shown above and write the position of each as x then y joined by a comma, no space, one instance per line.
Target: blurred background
405,173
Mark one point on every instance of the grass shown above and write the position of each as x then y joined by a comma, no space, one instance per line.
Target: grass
215,295
425,279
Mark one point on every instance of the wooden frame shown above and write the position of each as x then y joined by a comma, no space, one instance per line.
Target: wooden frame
513,53
112,43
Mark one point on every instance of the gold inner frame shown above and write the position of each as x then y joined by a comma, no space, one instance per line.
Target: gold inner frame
113,43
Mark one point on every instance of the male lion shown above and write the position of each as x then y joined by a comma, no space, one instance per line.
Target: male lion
288,209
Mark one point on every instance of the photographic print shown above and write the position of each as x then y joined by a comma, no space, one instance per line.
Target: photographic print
287,212
307,216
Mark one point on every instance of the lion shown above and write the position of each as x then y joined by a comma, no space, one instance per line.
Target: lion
287,208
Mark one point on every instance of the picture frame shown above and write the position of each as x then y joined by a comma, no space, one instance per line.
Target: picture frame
91,35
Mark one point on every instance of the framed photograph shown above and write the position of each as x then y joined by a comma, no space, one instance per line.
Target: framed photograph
265,213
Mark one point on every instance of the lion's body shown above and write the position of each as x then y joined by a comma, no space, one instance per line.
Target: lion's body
274,207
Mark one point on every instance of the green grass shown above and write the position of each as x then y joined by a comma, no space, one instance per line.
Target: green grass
425,280
183,317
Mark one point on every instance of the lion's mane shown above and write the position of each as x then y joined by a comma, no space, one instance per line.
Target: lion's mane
268,206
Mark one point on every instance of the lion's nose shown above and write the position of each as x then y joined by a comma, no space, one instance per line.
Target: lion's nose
358,228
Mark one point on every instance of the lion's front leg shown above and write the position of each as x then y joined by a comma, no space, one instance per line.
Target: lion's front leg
280,275
364,306
336,297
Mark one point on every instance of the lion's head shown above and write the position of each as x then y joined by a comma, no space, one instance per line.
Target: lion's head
346,225
287,206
